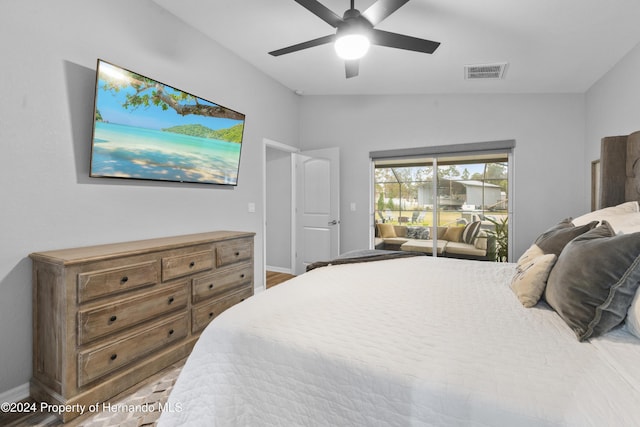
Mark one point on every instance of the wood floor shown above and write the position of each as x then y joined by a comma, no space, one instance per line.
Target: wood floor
275,278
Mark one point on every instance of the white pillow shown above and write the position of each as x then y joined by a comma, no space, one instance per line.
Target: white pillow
633,316
626,223
607,213
530,279
530,254
481,241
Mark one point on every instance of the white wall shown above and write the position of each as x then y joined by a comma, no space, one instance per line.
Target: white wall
612,104
550,180
49,51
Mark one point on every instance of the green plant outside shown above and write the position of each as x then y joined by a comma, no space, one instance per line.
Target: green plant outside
501,233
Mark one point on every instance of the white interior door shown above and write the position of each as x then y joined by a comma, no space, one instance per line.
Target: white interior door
317,206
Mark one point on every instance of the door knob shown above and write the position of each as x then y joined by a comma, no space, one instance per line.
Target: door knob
334,222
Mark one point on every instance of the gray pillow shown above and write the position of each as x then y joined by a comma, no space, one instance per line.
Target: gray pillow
418,233
556,238
412,232
594,280
423,233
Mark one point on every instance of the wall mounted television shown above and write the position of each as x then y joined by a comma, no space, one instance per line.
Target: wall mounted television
144,129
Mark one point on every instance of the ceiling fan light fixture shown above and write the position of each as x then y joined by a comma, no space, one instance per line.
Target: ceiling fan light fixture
352,46
355,32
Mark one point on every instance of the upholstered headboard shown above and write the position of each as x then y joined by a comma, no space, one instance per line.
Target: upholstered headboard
620,169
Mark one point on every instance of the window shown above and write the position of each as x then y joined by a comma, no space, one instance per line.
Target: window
445,190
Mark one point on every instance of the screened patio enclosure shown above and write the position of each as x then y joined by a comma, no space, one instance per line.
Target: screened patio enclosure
457,190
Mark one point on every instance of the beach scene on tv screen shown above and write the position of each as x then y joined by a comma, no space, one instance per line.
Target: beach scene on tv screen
147,130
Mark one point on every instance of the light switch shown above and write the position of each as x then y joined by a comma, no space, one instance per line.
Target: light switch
252,207
353,206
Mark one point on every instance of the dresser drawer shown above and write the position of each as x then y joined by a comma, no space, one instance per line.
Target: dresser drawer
205,313
233,251
113,317
181,265
95,284
94,363
216,284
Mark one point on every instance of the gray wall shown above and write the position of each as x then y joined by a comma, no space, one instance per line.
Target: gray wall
612,105
278,210
49,51
549,159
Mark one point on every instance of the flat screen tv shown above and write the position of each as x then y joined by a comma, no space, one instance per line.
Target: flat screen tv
144,129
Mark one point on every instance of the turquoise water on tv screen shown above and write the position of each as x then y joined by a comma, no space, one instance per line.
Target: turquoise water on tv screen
132,152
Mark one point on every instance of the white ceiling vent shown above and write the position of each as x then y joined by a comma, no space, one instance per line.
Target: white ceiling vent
485,71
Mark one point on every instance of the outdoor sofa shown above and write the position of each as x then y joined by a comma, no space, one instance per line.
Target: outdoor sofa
470,241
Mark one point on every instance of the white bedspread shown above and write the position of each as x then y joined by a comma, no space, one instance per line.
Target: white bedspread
407,342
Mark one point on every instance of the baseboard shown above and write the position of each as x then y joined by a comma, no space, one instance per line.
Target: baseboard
15,394
279,269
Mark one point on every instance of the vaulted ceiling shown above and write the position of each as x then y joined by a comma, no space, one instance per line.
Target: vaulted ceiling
550,46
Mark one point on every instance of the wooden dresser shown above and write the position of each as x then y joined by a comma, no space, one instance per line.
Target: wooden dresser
106,317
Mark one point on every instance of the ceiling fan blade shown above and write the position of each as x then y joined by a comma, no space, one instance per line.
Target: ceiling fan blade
321,11
352,67
381,9
304,45
400,41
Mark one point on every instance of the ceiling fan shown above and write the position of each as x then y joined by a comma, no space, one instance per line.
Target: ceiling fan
355,32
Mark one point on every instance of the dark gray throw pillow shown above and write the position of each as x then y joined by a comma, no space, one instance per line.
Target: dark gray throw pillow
423,233
594,280
418,233
412,232
556,238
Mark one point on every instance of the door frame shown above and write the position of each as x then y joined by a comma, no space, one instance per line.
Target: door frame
275,145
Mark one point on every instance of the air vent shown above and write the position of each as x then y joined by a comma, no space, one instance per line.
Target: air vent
485,71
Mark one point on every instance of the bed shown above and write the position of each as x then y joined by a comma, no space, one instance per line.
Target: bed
412,341
549,340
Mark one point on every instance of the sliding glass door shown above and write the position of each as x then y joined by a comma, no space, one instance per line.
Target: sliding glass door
444,191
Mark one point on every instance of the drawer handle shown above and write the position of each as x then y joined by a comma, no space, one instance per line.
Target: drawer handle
171,299
211,286
113,318
192,264
242,276
124,280
211,314
237,253
171,332
114,356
